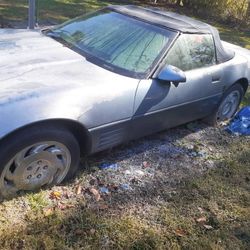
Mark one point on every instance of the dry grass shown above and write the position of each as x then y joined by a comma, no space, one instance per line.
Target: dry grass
211,211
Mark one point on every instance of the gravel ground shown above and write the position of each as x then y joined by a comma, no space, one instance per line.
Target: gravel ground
136,171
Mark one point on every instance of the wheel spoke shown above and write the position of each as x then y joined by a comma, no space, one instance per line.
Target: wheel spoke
63,159
60,165
39,148
232,100
56,151
20,158
9,175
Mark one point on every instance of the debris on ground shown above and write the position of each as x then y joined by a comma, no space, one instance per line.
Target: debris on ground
95,193
109,166
125,186
78,189
104,190
55,195
240,125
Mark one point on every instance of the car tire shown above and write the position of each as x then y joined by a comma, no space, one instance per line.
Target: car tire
227,107
37,157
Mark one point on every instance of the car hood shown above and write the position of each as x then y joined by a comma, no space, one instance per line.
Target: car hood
33,64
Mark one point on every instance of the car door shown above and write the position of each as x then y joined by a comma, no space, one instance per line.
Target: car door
161,104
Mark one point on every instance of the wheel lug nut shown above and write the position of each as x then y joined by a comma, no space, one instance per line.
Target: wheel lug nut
39,162
39,176
29,168
45,167
29,176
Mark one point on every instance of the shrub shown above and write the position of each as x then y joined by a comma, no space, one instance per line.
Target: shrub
226,9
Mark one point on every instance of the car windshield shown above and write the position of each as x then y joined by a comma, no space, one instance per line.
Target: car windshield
115,41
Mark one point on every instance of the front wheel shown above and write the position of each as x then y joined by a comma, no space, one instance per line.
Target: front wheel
227,107
35,158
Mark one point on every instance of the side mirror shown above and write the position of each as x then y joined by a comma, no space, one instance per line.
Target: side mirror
171,74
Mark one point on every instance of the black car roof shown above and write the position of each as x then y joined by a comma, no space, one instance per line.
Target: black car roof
176,22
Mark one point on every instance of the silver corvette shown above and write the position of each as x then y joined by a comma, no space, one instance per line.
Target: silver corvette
105,78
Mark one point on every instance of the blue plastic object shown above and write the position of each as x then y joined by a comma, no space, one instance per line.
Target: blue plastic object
240,125
113,166
125,186
104,190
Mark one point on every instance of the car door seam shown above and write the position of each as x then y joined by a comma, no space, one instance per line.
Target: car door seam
133,112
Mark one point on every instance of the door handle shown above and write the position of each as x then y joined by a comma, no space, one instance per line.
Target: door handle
215,78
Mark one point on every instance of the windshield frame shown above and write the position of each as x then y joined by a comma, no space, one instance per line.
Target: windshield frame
108,66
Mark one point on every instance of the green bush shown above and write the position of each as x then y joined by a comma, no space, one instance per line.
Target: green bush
226,9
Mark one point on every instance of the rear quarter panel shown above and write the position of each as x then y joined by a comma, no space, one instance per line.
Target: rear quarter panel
239,66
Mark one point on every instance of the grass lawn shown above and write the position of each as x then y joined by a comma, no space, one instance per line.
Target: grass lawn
206,211
57,10
60,10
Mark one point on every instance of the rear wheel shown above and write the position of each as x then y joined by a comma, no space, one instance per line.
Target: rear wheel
36,158
227,107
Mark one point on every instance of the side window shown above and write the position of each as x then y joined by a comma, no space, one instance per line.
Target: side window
192,52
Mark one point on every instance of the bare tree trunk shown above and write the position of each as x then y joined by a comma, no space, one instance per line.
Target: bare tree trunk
248,11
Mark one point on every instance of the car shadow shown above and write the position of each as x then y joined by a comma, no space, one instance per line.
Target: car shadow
156,93
147,143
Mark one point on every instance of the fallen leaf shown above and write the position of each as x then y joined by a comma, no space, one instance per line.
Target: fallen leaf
70,205
78,189
201,210
48,211
180,232
146,164
63,206
210,149
201,219
79,232
55,195
208,227
103,207
95,193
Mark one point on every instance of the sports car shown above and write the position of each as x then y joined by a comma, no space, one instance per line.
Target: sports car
102,79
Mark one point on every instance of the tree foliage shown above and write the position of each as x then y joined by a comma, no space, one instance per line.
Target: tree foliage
233,10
